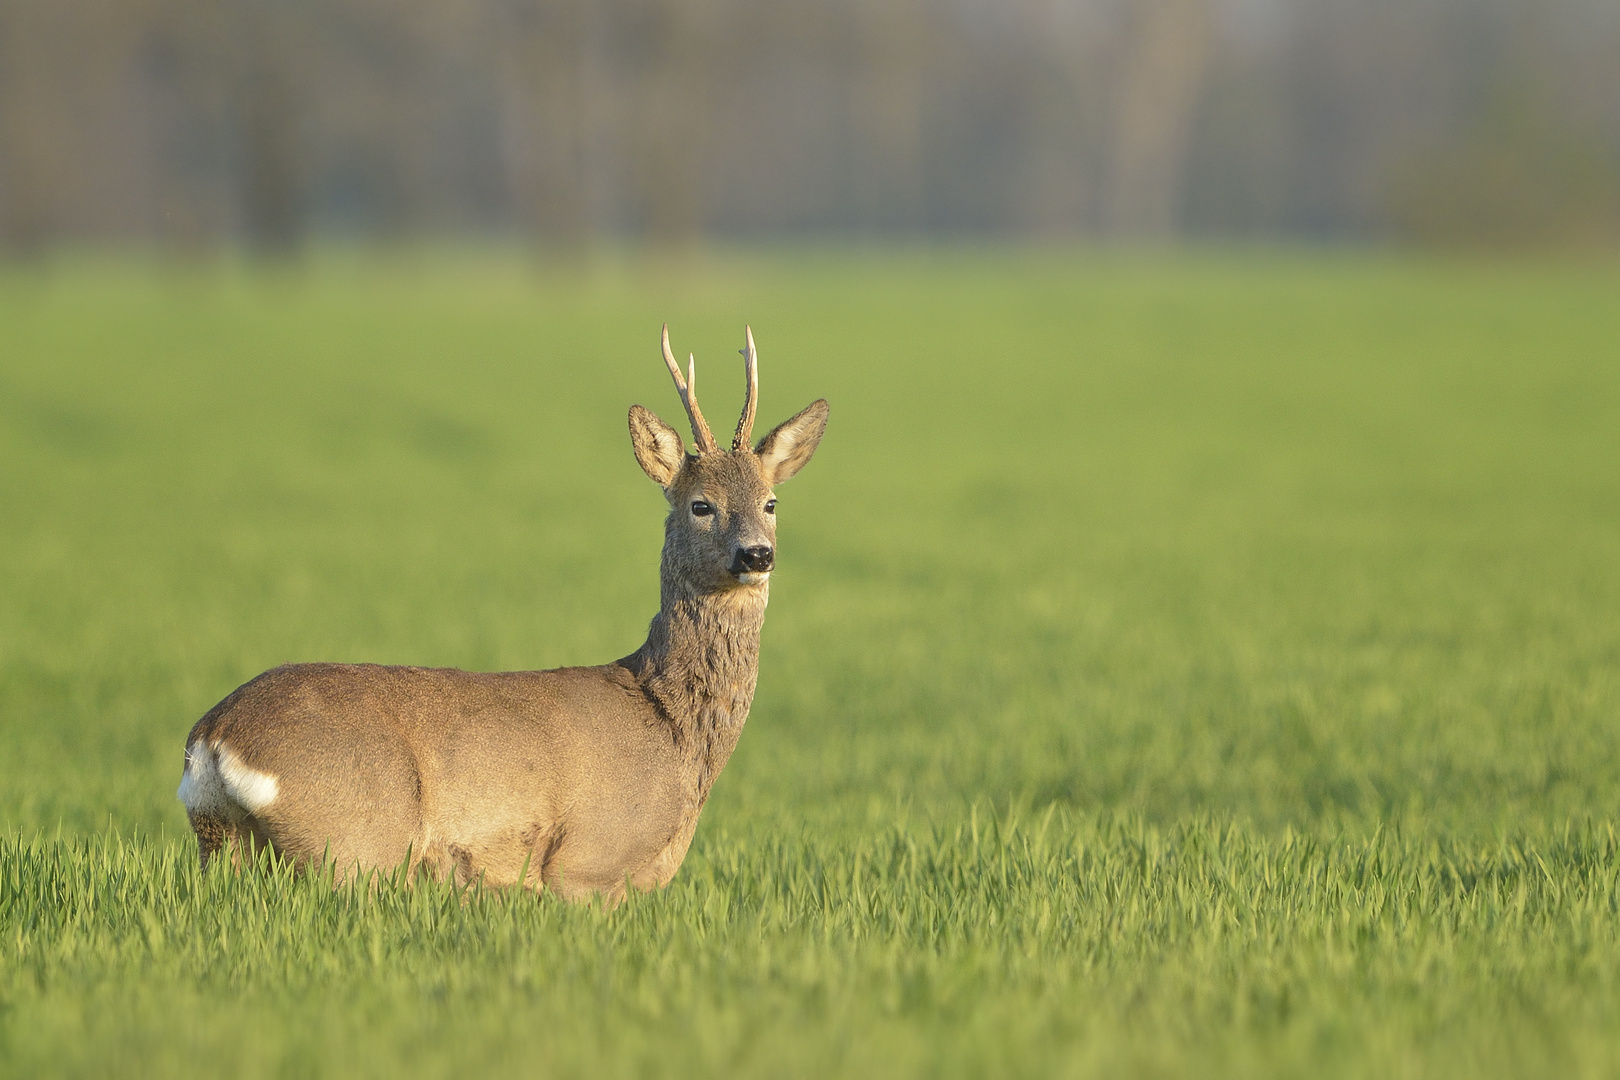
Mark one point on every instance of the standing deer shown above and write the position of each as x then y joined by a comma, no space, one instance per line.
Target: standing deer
578,780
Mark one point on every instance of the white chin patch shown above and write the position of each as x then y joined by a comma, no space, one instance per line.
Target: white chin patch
217,783
754,579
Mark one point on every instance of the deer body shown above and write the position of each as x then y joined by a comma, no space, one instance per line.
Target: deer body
581,780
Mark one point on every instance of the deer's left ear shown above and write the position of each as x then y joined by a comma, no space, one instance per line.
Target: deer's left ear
658,447
788,447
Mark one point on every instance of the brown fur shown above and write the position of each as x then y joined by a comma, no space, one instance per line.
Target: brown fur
579,779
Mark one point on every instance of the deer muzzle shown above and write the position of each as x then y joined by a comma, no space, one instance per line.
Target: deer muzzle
753,563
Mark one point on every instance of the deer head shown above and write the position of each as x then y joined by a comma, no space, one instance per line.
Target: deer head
721,529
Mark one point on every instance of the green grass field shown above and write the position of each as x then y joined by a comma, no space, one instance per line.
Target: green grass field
1201,665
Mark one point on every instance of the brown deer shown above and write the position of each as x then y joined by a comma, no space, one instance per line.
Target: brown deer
578,780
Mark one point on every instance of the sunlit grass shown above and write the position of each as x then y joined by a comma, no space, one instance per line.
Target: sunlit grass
1177,666
995,944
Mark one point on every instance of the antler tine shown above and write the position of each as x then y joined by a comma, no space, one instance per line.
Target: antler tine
745,426
687,388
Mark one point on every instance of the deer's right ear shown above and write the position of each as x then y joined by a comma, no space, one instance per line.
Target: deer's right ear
658,446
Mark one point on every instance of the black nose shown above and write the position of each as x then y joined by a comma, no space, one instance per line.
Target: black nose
756,559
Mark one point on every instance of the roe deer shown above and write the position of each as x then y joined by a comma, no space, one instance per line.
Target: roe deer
578,780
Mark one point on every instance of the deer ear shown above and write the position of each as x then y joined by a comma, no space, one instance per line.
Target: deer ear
788,447
658,447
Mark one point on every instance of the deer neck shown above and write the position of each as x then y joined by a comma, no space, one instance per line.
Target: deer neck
700,664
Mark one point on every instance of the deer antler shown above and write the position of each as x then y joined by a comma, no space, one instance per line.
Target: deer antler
688,391
745,426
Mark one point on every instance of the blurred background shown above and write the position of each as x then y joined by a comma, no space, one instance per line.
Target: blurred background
196,124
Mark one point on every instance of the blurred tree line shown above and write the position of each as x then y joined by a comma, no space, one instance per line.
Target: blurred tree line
198,122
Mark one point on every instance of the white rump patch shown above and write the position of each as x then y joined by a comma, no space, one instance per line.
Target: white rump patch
217,783
253,790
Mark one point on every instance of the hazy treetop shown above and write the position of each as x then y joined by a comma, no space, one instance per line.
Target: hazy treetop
193,123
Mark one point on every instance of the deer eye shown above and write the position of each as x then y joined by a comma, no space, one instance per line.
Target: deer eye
770,506
701,509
